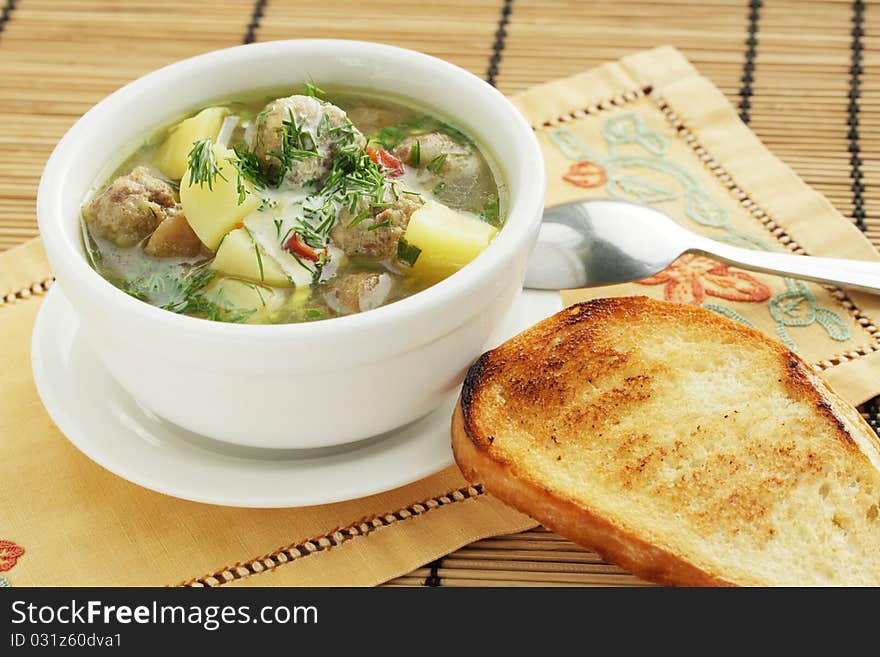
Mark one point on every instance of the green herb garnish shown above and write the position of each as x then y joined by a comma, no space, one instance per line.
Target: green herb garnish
296,145
311,89
257,251
407,253
256,288
202,164
381,224
439,187
358,219
249,168
436,165
354,179
415,154
391,136
489,213
183,293
218,309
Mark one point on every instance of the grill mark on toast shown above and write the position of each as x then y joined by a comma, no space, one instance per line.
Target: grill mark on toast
843,432
804,383
587,309
476,375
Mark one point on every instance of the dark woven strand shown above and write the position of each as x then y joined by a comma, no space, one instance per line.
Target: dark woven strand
872,408
498,45
6,13
855,82
433,578
748,75
251,33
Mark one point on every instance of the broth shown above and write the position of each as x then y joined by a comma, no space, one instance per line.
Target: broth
279,208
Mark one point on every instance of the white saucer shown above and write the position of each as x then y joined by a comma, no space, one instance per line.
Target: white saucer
109,427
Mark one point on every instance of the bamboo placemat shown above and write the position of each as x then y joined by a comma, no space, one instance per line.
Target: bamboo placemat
805,75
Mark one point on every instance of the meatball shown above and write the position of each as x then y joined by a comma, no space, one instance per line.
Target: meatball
174,238
130,208
358,292
320,134
431,146
370,119
362,239
460,168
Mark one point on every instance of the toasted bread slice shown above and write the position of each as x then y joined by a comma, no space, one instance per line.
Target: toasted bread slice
687,448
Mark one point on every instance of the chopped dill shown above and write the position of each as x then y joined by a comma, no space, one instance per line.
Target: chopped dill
249,168
202,164
358,219
489,213
256,288
257,251
436,165
296,145
390,136
381,224
415,154
184,293
311,89
407,253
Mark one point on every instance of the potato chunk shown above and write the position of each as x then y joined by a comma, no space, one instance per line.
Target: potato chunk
214,211
240,257
171,158
174,238
448,239
232,294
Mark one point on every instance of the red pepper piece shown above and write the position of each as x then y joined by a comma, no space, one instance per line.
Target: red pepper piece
296,246
387,161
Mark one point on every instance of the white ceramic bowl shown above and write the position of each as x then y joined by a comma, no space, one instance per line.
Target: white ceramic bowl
294,385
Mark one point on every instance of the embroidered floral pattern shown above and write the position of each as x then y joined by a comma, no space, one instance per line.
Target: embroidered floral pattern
9,554
690,278
586,174
635,168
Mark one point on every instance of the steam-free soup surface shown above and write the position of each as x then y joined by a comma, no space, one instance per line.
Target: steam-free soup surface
293,206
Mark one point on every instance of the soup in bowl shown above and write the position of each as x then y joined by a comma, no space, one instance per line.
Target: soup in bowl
278,207
293,244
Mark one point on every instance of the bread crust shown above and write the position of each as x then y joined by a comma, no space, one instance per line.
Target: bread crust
581,524
572,520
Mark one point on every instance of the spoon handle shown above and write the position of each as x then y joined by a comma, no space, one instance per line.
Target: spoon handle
857,274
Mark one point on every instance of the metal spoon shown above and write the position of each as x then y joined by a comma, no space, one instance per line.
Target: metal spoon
601,242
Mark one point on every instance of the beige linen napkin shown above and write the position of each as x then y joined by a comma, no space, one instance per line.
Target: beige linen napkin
647,127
